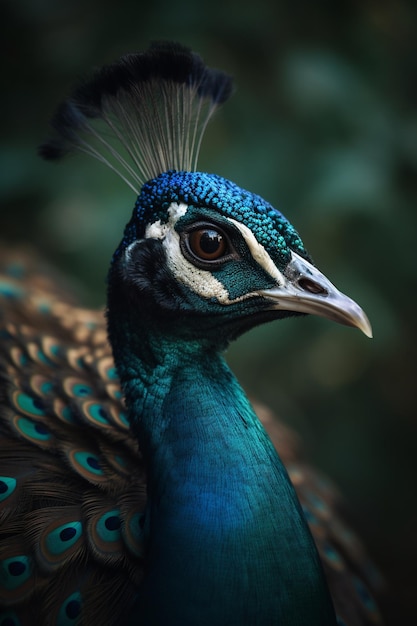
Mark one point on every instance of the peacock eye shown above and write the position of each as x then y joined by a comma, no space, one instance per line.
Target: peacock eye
207,244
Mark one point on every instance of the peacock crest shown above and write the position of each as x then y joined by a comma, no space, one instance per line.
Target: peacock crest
153,107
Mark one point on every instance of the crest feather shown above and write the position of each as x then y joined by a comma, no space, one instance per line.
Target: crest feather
143,115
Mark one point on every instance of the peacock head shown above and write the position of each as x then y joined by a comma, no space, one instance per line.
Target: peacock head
205,256
200,257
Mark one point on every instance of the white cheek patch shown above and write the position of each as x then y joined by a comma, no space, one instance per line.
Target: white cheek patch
202,282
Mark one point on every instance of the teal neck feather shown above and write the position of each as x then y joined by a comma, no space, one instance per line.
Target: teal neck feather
226,540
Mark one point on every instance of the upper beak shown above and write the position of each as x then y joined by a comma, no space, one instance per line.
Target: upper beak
307,290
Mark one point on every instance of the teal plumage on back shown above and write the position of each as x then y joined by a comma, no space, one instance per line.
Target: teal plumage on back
171,506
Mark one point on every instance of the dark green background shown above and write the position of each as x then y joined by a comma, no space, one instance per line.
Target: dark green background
323,124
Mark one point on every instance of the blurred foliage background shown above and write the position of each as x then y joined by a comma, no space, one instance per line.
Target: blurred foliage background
323,124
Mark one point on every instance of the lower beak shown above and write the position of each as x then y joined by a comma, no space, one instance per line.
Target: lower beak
307,290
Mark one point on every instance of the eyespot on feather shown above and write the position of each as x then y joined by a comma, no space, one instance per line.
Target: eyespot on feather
77,387
119,417
75,357
114,391
33,431
7,487
19,357
70,612
63,411
333,557
16,574
107,369
41,385
104,534
95,413
132,532
87,464
25,404
58,543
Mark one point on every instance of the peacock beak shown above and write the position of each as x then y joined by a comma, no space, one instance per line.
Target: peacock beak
307,290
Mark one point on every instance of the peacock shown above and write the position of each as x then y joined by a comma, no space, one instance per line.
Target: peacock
138,485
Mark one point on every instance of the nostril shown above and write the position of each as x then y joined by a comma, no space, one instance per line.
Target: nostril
310,285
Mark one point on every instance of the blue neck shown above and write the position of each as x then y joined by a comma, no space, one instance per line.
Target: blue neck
226,541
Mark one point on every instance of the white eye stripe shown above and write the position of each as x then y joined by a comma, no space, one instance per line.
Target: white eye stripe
258,252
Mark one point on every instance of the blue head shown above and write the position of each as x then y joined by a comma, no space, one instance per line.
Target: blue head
204,259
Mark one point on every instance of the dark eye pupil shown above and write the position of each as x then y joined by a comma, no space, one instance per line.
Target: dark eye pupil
210,241
206,244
